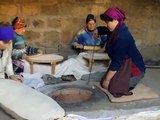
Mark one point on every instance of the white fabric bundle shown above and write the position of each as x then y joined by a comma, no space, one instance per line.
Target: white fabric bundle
73,66
23,102
33,80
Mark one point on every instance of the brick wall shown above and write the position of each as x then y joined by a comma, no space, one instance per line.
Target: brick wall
54,22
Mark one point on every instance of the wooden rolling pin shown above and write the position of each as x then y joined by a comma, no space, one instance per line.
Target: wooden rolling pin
91,48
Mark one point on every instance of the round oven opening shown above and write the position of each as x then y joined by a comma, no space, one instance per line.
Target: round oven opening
72,95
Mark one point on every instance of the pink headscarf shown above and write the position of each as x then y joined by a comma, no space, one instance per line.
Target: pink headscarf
116,14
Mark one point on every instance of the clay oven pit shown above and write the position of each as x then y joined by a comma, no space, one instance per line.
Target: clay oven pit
72,95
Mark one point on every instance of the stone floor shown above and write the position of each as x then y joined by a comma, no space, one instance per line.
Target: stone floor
105,109
152,62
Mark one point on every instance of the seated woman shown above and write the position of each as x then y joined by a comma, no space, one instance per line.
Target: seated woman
120,47
88,36
20,49
6,68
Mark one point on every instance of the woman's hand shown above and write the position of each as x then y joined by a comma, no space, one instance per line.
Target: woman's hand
106,84
78,46
108,78
40,51
101,50
25,56
16,78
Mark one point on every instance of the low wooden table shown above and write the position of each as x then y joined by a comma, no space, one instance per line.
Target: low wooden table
52,59
91,57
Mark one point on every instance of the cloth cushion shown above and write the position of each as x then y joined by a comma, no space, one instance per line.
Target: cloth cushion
140,92
23,102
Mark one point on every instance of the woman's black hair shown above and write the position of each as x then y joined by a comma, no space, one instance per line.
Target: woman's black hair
90,17
105,17
14,21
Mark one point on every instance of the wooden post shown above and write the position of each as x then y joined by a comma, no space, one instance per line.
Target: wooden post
91,61
53,65
31,67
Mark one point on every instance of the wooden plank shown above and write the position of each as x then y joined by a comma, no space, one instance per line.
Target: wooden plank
91,48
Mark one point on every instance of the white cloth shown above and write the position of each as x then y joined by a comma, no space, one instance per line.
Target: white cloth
72,66
69,67
6,64
33,80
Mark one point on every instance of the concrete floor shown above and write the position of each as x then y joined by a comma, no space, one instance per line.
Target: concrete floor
104,108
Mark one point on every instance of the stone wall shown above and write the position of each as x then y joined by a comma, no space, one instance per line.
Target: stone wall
53,23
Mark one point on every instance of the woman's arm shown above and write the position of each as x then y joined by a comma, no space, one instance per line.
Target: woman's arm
102,30
118,53
75,42
108,78
9,68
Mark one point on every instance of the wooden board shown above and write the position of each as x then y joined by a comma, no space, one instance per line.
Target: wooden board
141,92
95,56
91,48
45,58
